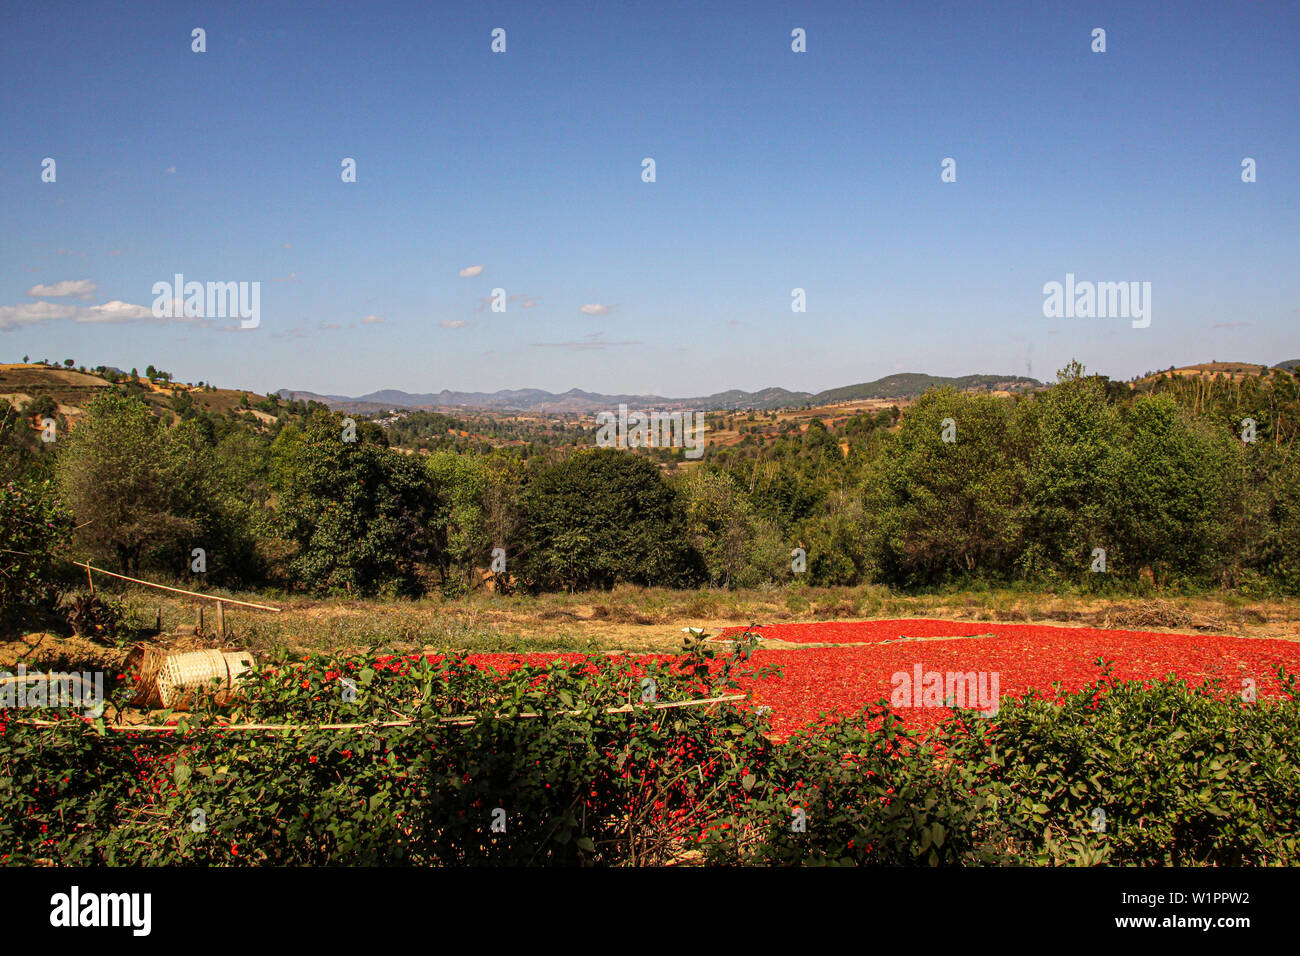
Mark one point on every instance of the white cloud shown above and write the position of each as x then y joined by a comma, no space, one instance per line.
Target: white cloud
373,320
115,311
170,169
82,288
29,313
595,308
453,323
470,271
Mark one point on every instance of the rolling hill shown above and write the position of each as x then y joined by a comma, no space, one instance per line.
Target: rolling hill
73,389
903,386
574,401
912,384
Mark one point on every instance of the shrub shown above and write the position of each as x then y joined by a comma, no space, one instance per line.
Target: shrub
576,785
34,529
93,615
1182,776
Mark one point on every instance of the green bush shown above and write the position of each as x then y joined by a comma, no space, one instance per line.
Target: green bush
1182,776
34,530
858,791
1121,773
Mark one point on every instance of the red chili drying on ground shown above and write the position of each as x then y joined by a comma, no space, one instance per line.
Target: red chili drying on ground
1024,656
841,680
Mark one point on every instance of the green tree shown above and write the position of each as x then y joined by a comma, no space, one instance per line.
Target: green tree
837,544
941,509
463,479
738,547
1070,440
362,516
122,479
1278,553
600,517
1174,483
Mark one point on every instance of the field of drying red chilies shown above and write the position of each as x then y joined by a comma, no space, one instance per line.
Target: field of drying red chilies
839,680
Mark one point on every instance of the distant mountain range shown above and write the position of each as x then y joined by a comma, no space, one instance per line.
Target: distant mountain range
901,386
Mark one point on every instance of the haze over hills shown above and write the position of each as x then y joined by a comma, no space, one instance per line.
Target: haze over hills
901,386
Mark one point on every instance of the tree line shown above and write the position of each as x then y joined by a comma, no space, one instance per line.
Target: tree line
1179,482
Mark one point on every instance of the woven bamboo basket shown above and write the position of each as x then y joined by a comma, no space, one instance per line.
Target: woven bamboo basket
217,672
170,679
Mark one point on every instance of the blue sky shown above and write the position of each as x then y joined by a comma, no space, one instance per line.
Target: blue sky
774,170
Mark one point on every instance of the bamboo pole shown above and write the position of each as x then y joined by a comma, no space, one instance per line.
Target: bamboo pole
163,587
